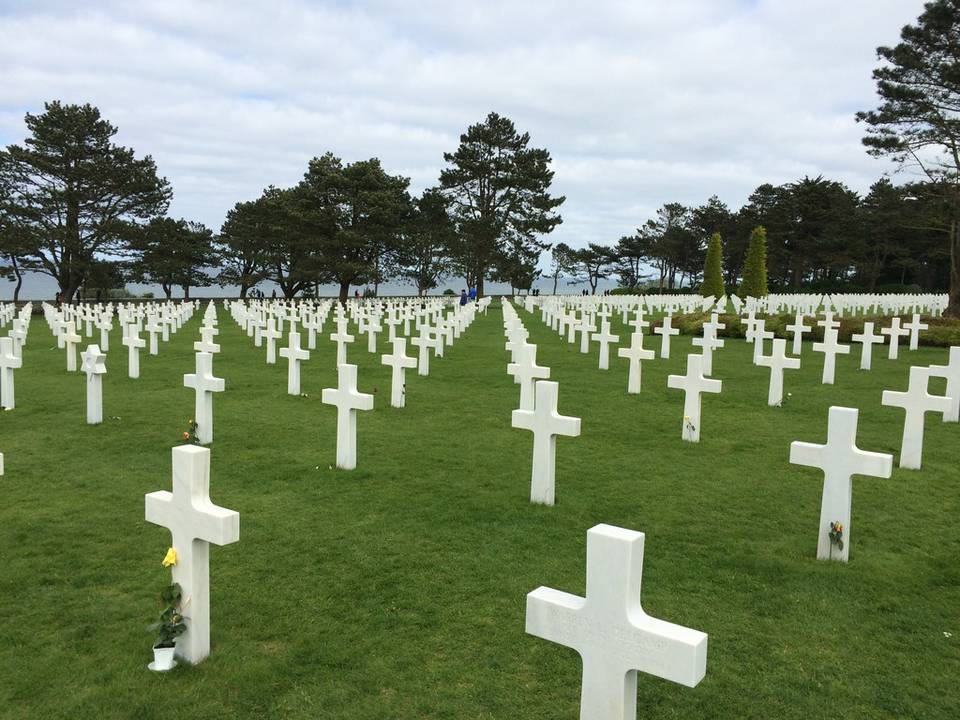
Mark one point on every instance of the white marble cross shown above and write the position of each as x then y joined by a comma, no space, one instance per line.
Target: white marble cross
206,343
840,459
105,325
914,327
205,385
70,340
798,329
830,349
294,355
423,341
94,365
605,338
399,361
271,335
708,342
194,522
526,372
373,327
341,338
917,402
693,384
8,363
760,336
665,330
634,354
348,401
895,332
950,371
153,329
867,339
585,326
777,361
615,638
134,342
545,423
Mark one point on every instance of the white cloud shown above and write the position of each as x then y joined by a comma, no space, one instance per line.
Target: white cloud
640,102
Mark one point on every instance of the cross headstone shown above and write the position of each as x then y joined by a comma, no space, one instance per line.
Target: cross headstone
399,361
423,341
526,372
798,329
545,423
205,385
634,354
615,638
830,349
94,365
840,459
8,363
294,355
605,338
154,330
867,339
70,340
134,343
348,401
895,332
950,371
341,338
665,330
777,361
914,327
917,402
194,522
206,343
693,384
271,335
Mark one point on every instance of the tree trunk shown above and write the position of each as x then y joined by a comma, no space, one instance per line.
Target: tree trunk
167,290
19,276
243,291
555,279
186,292
479,286
344,289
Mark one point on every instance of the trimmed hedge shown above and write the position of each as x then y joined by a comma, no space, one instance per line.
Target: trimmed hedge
943,332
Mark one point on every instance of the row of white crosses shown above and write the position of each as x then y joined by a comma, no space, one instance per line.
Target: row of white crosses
538,408
608,628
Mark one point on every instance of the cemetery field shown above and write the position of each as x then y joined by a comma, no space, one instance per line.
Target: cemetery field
397,590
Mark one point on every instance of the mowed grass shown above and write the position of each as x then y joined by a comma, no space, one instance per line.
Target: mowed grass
398,590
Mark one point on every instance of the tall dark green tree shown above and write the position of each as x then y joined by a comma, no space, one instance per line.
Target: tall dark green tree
561,262
242,247
632,252
713,269
755,266
918,120
498,192
593,264
354,215
292,256
14,243
78,193
423,256
174,253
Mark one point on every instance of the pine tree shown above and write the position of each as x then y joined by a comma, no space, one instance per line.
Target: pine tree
755,266
713,269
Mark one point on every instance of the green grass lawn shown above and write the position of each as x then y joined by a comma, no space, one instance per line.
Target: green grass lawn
398,590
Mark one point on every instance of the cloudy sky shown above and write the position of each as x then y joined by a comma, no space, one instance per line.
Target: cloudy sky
640,102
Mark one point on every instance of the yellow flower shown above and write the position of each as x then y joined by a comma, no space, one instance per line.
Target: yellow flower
170,558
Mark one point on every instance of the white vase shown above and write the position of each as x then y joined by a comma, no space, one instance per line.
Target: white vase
163,659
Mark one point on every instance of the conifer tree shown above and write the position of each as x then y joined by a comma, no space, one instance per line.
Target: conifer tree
755,266
713,269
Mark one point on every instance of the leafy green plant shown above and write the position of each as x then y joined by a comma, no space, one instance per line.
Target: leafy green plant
190,434
171,623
